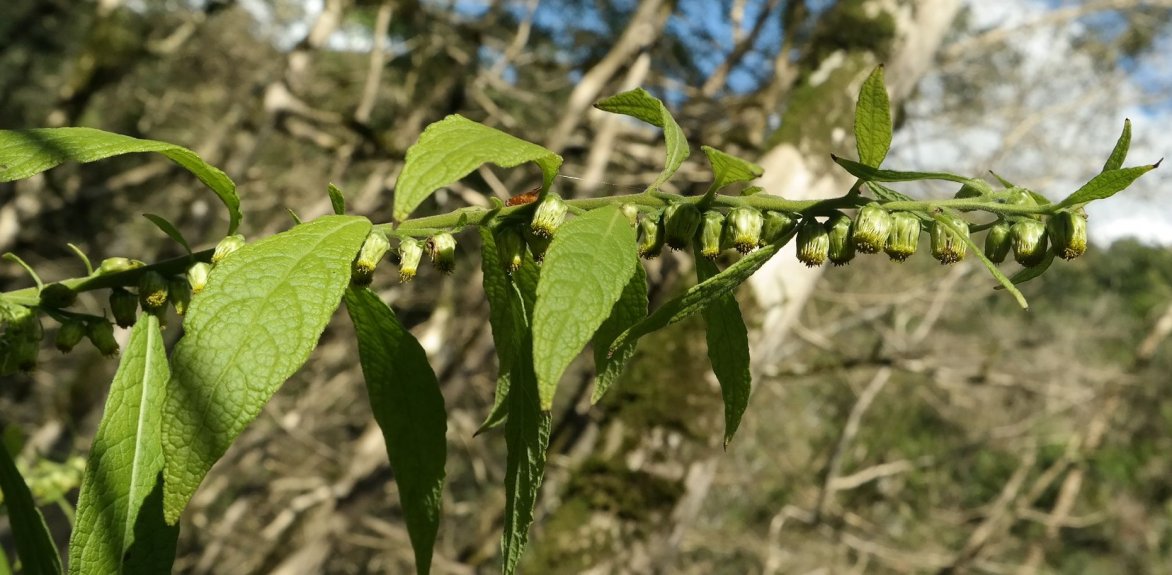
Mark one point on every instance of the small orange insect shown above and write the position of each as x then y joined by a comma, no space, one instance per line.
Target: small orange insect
525,198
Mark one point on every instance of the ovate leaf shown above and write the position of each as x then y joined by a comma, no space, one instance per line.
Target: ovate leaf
405,397
873,120
25,153
699,296
1106,184
638,103
254,324
1119,153
125,461
728,350
585,269
526,437
728,169
631,307
455,146
30,535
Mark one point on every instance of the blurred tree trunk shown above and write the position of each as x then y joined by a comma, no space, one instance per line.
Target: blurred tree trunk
628,505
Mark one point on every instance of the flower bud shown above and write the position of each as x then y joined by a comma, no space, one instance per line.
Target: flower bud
1029,242
538,245
777,225
179,292
373,249
632,213
70,335
651,235
441,248
101,334
813,242
115,265
711,230
197,276
745,224
872,227
548,216
904,237
226,246
410,253
152,292
124,307
1068,234
948,247
842,245
680,222
997,242
510,247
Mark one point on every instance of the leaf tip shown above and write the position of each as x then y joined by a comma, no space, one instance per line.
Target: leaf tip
1157,164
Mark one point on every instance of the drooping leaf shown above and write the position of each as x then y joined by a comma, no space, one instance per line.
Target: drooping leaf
125,461
455,146
728,350
631,307
1119,152
1106,184
526,437
407,404
254,324
25,153
34,544
877,175
699,296
168,228
585,270
510,302
873,120
638,103
337,199
989,265
728,169
1026,274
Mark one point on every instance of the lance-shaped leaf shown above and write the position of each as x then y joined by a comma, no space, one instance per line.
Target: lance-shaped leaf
526,437
168,228
877,175
125,461
631,307
1119,152
699,296
1026,274
1005,282
254,324
337,199
405,397
25,153
728,169
455,146
585,270
728,350
30,535
1106,184
873,120
639,104
509,311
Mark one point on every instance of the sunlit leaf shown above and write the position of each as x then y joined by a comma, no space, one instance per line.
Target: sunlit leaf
728,350
728,169
873,120
638,103
1119,152
1106,184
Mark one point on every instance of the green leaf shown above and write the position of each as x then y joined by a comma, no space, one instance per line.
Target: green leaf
34,544
407,404
455,146
631,307
873,120
1026,274
638,103
728,350
989,265
25,153
729,169
1119,152
337,199
1106,184
526,437
588,264
253,325
876,175
169,229
509,311
701,295
125,460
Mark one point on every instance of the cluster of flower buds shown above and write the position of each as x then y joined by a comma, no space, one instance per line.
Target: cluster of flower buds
1064,234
